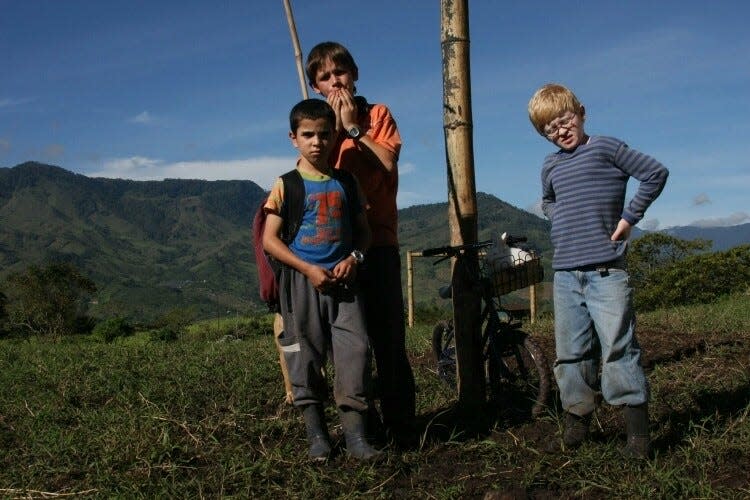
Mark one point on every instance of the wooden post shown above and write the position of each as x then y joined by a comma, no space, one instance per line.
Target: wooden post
532,303
410,287
462,205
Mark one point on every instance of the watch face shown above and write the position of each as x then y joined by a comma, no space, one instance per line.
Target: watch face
354,132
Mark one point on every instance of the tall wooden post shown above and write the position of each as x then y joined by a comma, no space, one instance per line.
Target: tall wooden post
462,204
410,287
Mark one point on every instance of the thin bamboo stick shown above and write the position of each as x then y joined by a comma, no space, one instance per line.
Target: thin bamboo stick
297,50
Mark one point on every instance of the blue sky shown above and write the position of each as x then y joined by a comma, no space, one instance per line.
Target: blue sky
198,89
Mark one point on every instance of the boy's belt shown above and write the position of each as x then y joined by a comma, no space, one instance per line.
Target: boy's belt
602,268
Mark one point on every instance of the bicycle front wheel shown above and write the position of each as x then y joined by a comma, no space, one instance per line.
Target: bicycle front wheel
519,373
444,350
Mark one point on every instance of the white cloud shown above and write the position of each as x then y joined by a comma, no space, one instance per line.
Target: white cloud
263,170
406,168
536,208
4,145
144,118
649,225
7,103
701,199
409,198
731,220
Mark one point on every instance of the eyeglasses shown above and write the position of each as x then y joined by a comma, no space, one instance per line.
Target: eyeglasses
552,129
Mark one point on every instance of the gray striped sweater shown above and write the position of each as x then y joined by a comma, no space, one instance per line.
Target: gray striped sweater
583,195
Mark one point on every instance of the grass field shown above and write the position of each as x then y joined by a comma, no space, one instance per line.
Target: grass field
203,416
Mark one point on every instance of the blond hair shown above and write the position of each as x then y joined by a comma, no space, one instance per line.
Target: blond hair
549,102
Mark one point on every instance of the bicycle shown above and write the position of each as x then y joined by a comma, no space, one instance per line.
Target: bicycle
517,370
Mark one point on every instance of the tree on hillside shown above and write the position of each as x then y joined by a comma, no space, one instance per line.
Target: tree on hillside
701,278
667,271
658,250
47,300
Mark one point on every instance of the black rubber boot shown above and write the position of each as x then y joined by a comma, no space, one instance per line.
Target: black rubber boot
353,424
636,425
317,433
576,429
575,432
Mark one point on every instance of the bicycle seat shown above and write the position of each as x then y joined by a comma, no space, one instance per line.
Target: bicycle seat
445,292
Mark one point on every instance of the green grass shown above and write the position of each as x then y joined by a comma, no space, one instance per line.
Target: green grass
203,417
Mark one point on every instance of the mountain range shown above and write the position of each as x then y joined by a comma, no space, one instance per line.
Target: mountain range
152,246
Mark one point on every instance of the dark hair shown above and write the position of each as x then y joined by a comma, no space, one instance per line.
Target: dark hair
333,51
311,109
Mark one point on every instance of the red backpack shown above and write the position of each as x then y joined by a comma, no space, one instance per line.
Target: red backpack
292,210
268,268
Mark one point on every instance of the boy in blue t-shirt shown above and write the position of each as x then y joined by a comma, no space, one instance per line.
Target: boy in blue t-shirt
583,195
320,301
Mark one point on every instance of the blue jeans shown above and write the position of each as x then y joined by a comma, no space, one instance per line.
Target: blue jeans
595,325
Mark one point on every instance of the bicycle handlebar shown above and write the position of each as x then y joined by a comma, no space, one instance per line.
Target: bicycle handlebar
452,251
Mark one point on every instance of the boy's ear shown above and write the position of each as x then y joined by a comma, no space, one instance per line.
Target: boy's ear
315,88
293,138
583,111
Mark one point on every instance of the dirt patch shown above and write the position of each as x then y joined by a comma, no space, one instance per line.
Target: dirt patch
508,429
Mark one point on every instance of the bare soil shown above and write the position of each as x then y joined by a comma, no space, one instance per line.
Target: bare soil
506,427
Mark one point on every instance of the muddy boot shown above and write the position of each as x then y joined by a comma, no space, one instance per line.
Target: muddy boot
636,425
317,433
575,432
357,447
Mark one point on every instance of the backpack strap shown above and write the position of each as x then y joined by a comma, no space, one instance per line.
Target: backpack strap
293,207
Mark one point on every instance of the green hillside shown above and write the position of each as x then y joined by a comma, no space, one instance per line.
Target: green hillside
156,245
149,246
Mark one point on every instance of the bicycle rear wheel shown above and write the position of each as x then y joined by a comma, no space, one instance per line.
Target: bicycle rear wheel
519,373
444,350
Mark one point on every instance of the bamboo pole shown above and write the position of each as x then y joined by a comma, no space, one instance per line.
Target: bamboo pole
462,205
297,49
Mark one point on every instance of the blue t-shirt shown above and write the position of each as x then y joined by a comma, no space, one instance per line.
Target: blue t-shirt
325,235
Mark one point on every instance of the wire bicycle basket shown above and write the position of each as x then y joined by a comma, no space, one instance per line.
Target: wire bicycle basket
512,270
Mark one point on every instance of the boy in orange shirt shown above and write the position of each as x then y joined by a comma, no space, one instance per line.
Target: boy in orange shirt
368,145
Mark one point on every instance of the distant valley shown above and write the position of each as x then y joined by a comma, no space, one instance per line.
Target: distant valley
151,246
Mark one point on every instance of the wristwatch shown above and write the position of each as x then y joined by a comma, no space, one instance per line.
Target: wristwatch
358,256
354,132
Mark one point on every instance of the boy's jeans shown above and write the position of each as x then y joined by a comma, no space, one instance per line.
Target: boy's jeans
594,323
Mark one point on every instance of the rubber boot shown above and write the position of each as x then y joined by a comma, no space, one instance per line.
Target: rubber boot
317,433
357,447
576,429
575,432
636,425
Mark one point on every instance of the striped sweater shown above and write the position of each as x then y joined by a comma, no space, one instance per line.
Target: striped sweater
583,195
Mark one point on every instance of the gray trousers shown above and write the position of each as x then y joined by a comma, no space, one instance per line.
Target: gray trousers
315,323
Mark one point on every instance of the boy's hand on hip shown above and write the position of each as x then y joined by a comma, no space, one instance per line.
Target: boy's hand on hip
623,231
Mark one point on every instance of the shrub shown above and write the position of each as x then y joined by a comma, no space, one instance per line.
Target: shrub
163,334
47,300
696,279
112,328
